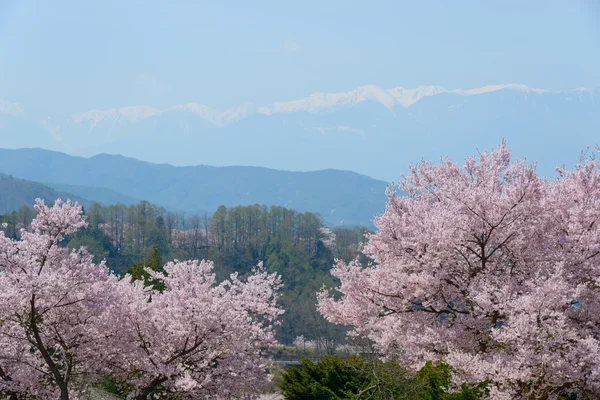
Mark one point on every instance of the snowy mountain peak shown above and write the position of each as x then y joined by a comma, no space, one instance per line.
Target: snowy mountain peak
408,97
199,110
127,114
493,88
13,109
325,101
218,119
315,103
373,92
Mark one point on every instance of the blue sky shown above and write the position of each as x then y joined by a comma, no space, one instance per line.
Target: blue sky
69,56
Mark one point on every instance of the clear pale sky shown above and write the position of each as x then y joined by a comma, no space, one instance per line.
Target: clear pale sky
69,56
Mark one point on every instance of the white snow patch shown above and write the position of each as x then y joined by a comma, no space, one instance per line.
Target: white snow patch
9,108
134,114
408,97
324,101
390,98
128,114
494,88
315,103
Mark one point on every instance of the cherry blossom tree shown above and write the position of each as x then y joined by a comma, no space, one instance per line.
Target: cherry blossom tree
51,306
65,320
197,338
488,268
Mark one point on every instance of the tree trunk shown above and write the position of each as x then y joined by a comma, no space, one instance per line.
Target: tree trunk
38,342
151,388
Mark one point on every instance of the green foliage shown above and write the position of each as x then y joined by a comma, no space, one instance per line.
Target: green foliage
92,237
152,262
571,396
291,244
331,378
436,379
17,220
110,385
334,378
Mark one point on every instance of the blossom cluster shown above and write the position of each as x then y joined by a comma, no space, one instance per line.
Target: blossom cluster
65,320
489,268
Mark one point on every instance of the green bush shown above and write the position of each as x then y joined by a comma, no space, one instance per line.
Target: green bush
435,379
334,378
329,379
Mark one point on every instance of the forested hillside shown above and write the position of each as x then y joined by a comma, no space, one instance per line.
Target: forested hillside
296,245
95,194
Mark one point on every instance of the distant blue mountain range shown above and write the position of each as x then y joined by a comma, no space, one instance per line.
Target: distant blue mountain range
341,197
370,130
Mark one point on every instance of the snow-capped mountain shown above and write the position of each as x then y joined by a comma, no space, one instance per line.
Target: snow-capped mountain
369,129
315,103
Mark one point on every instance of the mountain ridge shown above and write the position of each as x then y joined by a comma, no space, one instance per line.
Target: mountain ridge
366,130
16,192
316,102
341,197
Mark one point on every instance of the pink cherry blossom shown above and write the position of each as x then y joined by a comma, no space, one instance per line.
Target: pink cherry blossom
65,321
51,302
198,338
489,268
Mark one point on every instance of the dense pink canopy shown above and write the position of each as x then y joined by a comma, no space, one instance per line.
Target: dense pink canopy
52,303
64,321
489,268
198,338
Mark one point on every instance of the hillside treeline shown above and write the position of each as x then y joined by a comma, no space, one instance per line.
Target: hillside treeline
296,245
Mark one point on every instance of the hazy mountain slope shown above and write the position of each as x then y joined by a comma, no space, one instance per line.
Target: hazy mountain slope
371,130
15,193
341,197
100,195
